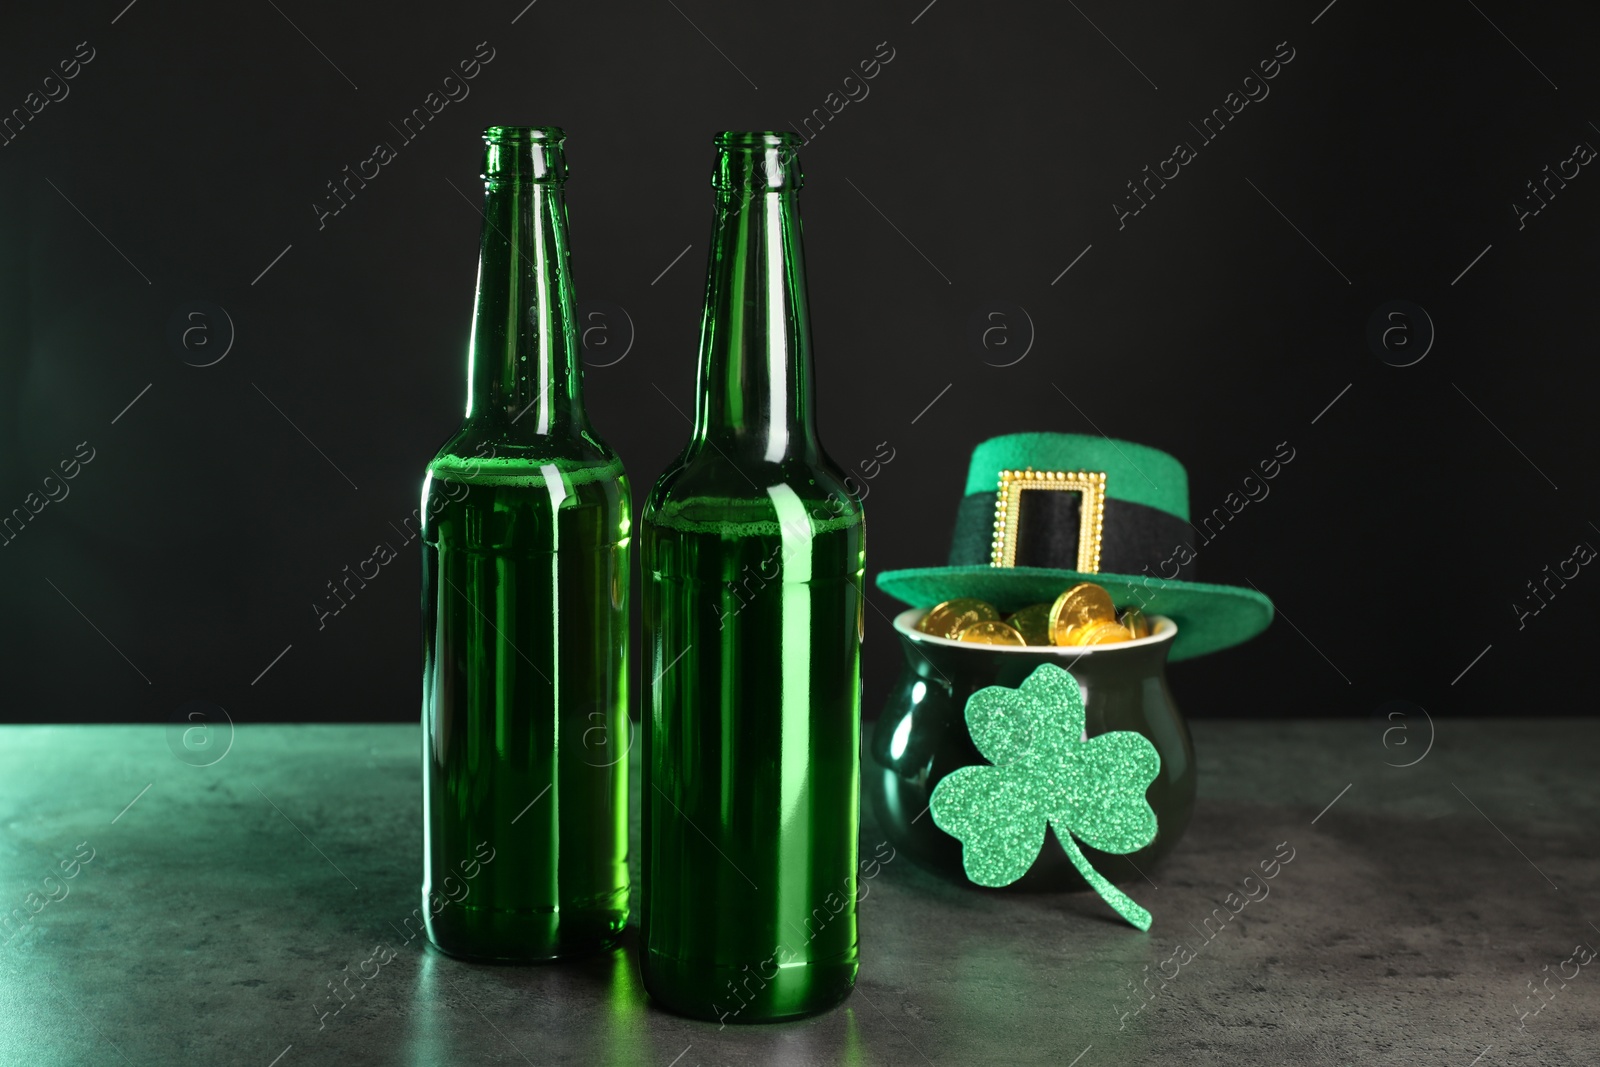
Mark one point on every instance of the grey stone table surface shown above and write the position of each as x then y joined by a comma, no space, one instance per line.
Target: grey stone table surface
1430,914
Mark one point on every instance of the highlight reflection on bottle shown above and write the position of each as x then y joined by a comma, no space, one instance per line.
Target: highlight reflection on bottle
755,552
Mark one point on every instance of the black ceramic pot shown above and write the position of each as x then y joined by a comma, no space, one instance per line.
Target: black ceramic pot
922,736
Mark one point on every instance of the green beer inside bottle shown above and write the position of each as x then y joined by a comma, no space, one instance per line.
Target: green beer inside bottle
754,550
524,602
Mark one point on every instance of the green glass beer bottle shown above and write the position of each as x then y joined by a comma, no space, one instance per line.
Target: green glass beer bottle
525,554
754,554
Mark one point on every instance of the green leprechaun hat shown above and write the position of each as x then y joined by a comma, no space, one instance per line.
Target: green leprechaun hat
1044,511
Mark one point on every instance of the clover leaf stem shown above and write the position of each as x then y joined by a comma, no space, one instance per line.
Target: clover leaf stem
1120,901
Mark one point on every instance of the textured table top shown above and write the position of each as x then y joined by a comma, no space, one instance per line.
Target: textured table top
1424,908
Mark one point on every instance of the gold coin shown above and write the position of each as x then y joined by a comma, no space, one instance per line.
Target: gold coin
992,632
1135,621
953,616
1101,633
1033,623
1079,607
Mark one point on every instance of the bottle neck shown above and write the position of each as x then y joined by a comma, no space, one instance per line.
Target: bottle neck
524,375
755,385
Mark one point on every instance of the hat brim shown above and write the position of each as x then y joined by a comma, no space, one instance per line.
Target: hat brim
1209,617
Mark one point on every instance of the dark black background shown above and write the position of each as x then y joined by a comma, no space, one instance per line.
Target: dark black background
984,161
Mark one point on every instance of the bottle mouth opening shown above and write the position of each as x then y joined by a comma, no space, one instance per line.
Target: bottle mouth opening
757,159
524,154
758,139
524,135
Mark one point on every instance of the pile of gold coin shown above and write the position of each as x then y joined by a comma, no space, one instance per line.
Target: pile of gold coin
1083,615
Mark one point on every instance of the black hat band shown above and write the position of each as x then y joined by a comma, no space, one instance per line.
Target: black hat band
1133,536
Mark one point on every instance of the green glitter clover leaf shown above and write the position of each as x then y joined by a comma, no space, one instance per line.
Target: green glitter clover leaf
1046,773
